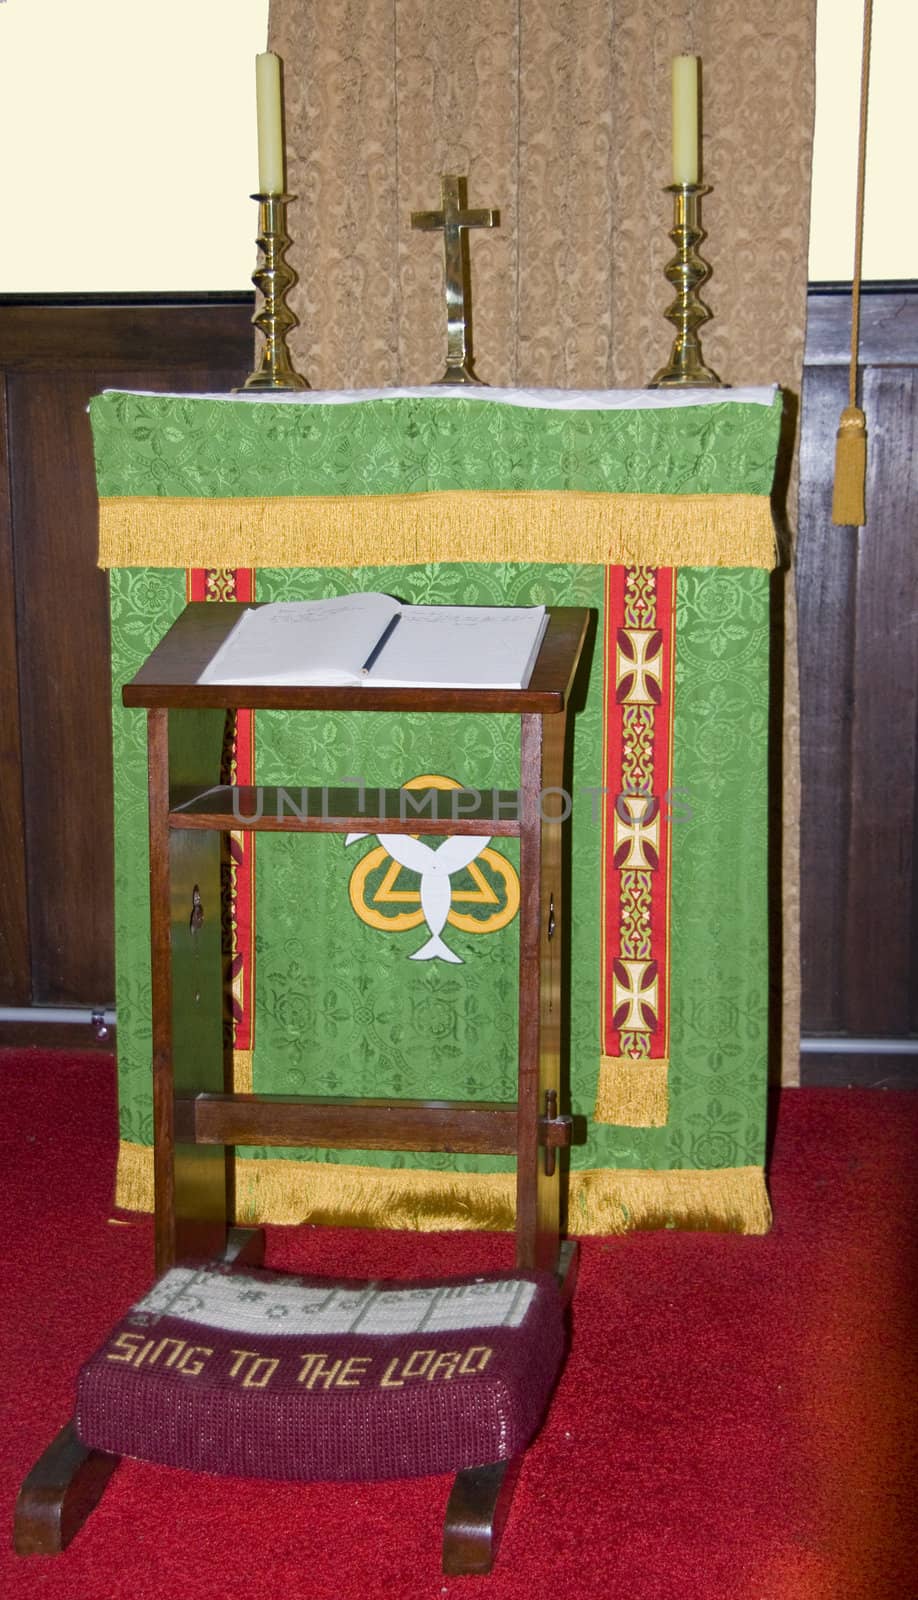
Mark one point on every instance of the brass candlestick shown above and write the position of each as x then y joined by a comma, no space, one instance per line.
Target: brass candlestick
688,312
274,276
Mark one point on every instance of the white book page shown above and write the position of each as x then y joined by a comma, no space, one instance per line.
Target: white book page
303,641
461,647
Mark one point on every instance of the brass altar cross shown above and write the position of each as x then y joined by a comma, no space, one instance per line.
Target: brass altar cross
455,219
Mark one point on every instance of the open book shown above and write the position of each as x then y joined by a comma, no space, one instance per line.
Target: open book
375,640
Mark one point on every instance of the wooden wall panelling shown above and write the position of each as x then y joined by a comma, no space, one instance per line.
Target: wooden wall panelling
880,936
15,978
860,1070
55,359
826,563
62,627
124,335
888,326
858,598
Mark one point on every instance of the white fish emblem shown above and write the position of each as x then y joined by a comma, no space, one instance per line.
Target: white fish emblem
434,867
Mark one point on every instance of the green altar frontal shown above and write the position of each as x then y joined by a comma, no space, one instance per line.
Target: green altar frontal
654,513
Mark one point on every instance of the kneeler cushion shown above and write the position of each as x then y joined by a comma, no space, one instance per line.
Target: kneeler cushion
268,1375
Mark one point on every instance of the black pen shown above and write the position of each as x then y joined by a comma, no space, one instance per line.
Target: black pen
383,639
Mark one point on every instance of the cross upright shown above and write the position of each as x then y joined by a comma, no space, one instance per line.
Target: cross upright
455,219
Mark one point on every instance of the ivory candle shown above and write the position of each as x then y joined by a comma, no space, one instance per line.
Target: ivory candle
685,119
270,126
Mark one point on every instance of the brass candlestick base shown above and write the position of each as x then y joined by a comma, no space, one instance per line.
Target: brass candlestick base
688,312
274,277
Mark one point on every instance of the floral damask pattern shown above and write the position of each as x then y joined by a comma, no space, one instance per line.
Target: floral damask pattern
190,446
340,1007
719,1019
143,605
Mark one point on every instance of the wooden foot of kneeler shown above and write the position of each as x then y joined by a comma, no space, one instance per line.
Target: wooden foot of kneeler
68,1480
475,1516
480,1498
63,1487
245,1247
568,1266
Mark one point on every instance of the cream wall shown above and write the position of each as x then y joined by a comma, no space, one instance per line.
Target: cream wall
127,139
127,143
891,217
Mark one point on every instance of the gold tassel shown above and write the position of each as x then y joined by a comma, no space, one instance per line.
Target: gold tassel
632,1093
848,500
848,508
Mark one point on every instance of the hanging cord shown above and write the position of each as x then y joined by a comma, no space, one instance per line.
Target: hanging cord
848,508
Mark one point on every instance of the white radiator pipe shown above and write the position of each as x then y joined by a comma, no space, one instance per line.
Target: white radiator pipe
846,1045
817,1045
100,1018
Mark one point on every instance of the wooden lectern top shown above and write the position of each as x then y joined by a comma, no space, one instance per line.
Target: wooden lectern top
169,676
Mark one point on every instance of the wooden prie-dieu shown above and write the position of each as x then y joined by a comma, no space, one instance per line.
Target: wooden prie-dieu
198,1119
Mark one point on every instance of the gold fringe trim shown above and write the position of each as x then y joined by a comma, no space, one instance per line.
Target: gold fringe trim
720,1200
694,530
633,1094
725,1200
134,1177
242,1072
335,1195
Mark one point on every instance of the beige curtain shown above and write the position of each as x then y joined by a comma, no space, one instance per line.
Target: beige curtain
559,112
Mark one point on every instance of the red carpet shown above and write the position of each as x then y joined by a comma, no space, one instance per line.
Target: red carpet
736,1420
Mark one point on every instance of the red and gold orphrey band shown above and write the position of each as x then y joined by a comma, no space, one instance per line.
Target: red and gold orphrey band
237,583
637,780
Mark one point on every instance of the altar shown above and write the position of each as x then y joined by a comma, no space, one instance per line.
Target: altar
651,509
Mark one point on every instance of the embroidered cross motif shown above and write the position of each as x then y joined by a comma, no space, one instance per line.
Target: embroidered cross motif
639,666
454,220
634,995
637,842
